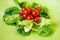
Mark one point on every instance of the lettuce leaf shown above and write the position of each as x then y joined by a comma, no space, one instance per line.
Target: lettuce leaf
11,11
43,26
12,19
24,22
44,12
46,30
28,27
11,16
28,24
20,30
34,4
22,4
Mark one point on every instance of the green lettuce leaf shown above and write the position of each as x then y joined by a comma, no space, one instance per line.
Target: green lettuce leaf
44,12
34,4
11,19
27,28
11,11
21,31
28,24
22,4
46,30
11,15
24,22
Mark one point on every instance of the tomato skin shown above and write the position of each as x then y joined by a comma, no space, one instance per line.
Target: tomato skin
37,19
24,16
30,9
26,10
35,13
23,9
38,8
30,17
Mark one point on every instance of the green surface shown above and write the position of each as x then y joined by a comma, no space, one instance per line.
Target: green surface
8,32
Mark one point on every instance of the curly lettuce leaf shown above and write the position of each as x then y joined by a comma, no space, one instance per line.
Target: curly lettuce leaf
46,30
11,19
22,4
44,12
42,23
28,24
24,27
11,15
20,30
28,27
11,11
24,22
34,4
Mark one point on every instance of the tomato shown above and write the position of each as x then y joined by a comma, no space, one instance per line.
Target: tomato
25,16
20,14
37,19
30,10
30,17
26,10
35,13
23,8
37,8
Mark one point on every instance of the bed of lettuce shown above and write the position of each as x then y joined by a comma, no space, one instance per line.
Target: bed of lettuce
26,27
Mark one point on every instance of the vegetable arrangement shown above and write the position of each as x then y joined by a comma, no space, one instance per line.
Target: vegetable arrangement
28,19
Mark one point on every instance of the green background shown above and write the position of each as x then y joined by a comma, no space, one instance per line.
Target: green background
8,32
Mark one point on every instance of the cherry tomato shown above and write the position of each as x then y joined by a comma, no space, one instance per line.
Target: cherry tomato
30,10
30,17
20,14
25,16
26,10
37,8
37,19
35,13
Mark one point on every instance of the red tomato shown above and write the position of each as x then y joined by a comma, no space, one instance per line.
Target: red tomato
37,8
25,16
37,19
35,13
26,10
30,17
30,10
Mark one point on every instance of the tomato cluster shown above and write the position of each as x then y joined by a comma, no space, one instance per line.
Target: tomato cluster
31,13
